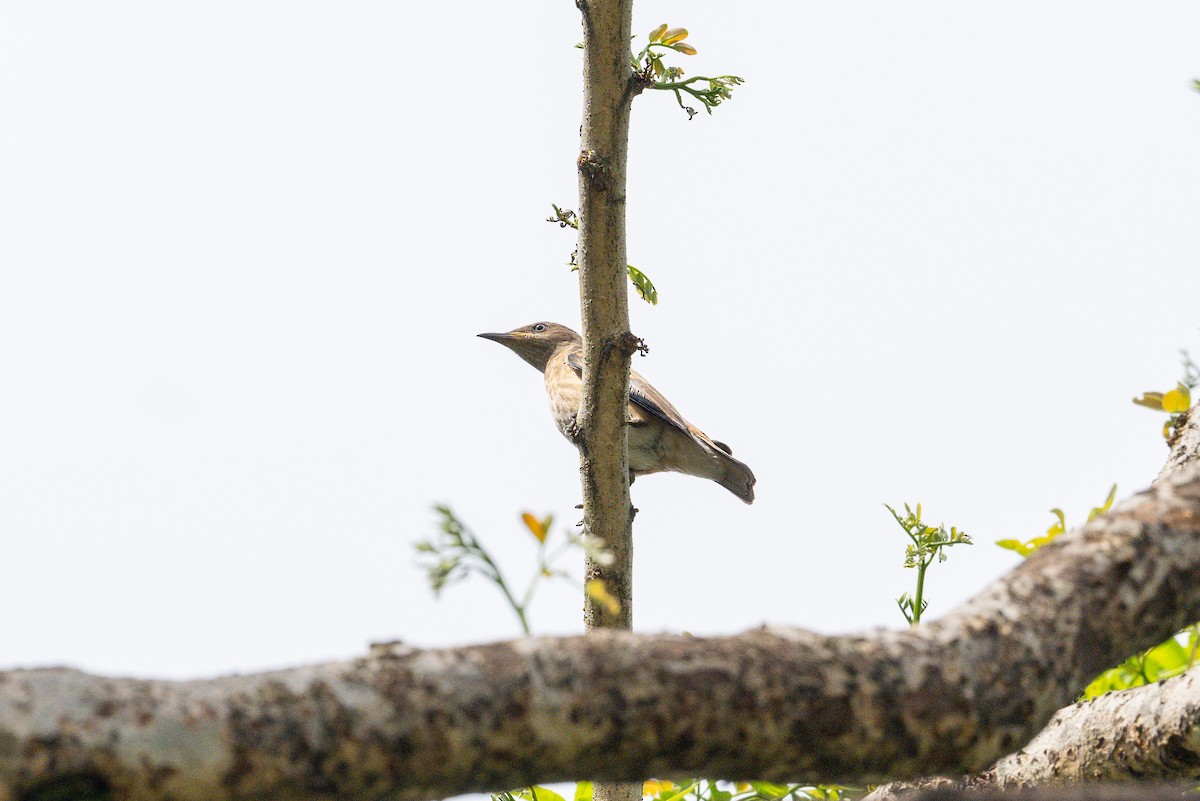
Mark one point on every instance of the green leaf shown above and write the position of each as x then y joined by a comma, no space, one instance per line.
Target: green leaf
1168,656
1015,545
539,793
583,791
1177,400
1108,502
1151,400
770,791
643,285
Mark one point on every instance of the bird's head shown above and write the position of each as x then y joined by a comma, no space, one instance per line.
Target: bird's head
537,342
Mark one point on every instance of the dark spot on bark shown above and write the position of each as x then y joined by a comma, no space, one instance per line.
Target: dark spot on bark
158,776
1178,755
80,787
107,708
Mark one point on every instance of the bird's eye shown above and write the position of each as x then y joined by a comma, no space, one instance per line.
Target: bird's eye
539,328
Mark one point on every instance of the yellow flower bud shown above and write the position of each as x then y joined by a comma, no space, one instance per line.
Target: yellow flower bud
657,33
674,35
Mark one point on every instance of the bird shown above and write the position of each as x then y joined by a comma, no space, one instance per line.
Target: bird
660,439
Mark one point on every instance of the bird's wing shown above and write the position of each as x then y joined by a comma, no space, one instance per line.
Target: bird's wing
646,402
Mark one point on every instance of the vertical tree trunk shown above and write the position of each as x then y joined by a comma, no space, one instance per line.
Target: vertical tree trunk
608,344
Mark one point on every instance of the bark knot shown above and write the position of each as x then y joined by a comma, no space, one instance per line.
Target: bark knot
595,169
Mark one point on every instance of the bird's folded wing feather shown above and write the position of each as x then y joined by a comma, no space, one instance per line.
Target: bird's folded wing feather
648,401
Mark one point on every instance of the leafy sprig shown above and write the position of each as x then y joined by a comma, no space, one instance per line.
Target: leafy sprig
1057,528
1176,401
456,553
656,74
927,544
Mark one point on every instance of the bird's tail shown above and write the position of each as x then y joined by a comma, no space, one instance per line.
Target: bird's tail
736,477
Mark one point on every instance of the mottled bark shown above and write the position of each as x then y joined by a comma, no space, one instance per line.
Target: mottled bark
1151,731
1122,736
950,697
1140,792
604,302
1184,442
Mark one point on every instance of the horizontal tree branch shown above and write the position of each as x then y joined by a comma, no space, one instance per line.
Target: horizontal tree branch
778,703
1121,736
1146,791
1127,736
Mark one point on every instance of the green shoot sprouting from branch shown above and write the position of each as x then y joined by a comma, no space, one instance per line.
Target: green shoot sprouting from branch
1176,401
567,218
928,543
655,74
1058,528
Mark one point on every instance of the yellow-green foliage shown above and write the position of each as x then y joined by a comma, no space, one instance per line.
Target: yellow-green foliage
1161,662
1176,401
1060,525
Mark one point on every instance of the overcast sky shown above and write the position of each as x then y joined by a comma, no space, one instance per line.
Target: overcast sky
928,252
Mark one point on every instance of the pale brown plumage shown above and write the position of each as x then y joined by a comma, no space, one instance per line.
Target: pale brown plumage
660,439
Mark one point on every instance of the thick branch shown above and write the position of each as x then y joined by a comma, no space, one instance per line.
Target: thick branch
1122,736
1150,731
783,704
604,144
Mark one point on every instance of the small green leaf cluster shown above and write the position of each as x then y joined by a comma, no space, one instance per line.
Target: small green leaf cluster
643,285
654,73
567,218
712,790
1058,527
456,553
926,544
649,63
583,792
1176,401
699,790
1160,662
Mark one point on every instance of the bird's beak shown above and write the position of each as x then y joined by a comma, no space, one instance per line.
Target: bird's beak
501,338
507,338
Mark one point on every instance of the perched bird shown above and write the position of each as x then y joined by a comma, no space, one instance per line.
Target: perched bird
659,438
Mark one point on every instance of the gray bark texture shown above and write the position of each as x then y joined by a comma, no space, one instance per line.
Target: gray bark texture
1151,731
1122,736
608,344
1140,792
783,704
1184,442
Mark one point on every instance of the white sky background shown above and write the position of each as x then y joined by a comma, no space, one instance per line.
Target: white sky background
928,252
